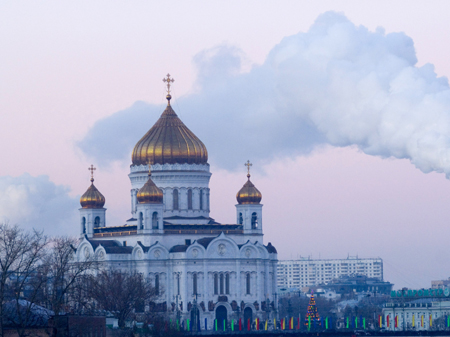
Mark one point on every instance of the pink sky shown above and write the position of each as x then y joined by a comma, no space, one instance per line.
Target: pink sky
64,66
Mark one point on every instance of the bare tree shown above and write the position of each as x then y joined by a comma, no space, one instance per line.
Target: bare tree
64,273
119,292
21,277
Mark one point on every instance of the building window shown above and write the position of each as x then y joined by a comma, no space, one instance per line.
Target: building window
83,225
254,221
201,199
97,221
221,284
248,284
216,284
189,199
155,220
141,221
241,219
175,199
157,284
178,284
194,284
227,284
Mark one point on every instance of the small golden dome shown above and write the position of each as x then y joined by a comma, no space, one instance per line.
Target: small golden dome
169,141
92,198
248,194
149,193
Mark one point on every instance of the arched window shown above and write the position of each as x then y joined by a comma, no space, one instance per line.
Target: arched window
248,284
83,225
216,284
201,199
254,221
189,199
175,199
221,284
157,284
155,220
241,219
178,284
141,220
227,284
194,284
97,222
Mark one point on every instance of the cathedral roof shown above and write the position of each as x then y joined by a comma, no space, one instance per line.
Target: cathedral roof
92,198
169,141
248,194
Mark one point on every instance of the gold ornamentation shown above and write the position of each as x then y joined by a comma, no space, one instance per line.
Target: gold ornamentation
169,141
168,80
248,164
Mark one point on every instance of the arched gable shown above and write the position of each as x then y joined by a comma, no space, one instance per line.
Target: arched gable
157,252
137,253
249,251
262,250
195,251
84,250
222,247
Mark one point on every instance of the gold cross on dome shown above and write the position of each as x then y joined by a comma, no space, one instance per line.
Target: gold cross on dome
248,164
92,169
168,80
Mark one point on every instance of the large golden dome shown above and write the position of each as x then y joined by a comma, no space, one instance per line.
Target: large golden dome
169,141
248,194
92,198
149,193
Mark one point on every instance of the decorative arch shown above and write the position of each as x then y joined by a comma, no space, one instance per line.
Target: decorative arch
249,251
157,252
222,246
195,251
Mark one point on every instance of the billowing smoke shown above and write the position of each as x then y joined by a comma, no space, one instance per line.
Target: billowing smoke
36,202
336,83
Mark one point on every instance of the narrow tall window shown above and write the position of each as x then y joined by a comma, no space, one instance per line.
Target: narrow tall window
97,222
221,284
194,284
216,284
178,284
227,284
254,221
201,199
155,220
157,284
141,221
241,219
189,199
248,284
175,199
83,225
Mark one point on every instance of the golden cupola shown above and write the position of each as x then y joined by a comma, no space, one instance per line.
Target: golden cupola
248,194
149,193
92,198
169,141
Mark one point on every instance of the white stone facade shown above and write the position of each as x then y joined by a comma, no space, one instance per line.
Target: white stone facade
223,271
416,316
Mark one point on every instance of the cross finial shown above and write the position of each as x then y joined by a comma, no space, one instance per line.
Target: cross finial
92,169
248,164
168,80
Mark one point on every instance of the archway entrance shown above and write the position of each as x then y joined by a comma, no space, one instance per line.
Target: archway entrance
248,315
195,318
221,316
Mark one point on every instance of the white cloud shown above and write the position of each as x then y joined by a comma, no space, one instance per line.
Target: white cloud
336,83
36,202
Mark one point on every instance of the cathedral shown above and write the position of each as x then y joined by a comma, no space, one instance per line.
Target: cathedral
200,268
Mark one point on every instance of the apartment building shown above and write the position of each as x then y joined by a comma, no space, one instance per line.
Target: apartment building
306,272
